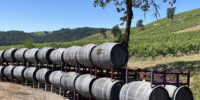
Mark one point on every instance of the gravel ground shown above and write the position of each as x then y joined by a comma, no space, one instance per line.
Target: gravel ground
12,91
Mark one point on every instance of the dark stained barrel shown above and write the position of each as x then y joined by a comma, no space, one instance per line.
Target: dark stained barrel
18,72
44,55
9,54
83,55
179,93
83,84
141,90
55,78
106,89
1,71
69,55
43,74
68,80
8,71
109,55
56,56
30,73
2,59
31,55
20,54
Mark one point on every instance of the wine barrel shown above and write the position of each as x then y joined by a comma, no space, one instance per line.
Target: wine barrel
31,55
109,55
9,54
2,59
83,55
179,93
55,78
44,55
42,75
20,54
56,56
1,71
106,89
141,90
18,72
83,84
8,71
68,80
69,55
30,73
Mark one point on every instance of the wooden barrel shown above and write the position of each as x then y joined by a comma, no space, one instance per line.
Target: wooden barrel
109,55
30,73
68,80
83,55
56,56
69,55
20,54
9,54
179,93
83,84
42,75
106,89
8,71
55,78
44,55
2,59
1,71
141,90
18,72
31,55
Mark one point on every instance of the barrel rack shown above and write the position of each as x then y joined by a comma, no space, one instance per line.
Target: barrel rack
156,77
126,74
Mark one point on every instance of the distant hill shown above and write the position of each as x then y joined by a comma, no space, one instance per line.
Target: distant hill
62,35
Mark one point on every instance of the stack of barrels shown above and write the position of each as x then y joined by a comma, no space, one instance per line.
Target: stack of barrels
33,65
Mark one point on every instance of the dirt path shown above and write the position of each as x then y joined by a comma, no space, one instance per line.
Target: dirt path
189,29
12,91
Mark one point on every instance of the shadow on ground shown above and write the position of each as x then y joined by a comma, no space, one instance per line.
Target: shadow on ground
193,66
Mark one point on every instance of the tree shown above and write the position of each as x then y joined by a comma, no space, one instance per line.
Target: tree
140,24
28,43
171,12
126,7
116,30
103,32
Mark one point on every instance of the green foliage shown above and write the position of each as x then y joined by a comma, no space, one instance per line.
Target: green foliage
171,12
28,43
18,37
116,31
140,24
119,38
160,38
103,32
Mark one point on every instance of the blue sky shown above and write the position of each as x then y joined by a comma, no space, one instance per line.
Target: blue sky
40,15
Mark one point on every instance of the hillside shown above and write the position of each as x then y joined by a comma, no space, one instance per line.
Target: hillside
62,35
159,38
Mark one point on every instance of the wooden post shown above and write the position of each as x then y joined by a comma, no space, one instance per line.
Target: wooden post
112,72
188,79
95,72
38,85
45,87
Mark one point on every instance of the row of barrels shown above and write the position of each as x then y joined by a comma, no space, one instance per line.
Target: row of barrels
105,56
103,88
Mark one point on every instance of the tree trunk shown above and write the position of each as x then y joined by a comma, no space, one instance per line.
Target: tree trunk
129,16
